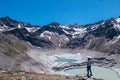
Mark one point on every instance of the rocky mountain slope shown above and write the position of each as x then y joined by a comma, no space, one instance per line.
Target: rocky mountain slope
16,38
103,36
11,48
13,55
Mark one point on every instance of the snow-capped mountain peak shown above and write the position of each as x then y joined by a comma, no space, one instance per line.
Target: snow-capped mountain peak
118,20
56,35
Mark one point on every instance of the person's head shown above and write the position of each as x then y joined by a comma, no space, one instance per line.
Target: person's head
89,57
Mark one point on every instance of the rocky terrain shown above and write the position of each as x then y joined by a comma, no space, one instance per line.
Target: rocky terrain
24,47
101,36
6,75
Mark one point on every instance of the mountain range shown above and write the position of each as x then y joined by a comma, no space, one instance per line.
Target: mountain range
102,36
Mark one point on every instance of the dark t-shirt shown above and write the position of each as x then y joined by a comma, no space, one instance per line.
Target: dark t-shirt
89,63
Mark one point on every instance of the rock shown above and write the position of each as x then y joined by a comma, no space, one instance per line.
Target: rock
24,78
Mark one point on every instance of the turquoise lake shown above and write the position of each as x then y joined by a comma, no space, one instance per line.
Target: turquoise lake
98,72
66,60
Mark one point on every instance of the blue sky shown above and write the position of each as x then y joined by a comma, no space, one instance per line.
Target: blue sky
42,12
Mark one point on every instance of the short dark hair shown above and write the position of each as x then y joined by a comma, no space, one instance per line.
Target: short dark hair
89,58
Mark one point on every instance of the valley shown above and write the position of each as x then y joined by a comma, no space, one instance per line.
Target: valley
48,58
52,49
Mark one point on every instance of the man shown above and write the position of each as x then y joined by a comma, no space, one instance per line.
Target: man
89,71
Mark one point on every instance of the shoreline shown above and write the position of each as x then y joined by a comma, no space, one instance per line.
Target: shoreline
114,75
117,71
78,67
99,59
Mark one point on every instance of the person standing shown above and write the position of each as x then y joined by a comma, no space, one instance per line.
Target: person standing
89,71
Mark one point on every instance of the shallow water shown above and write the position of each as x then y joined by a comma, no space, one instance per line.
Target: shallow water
98,72
65,60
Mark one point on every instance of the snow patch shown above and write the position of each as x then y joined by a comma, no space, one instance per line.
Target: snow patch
52,26
28,29
19,26
78,31
117,26
1,30
117,70
49,37
42,35
118,20
47,33
65,37
118,37
65,27
115,40
4,28
103,23
32,29
95,26
66,31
